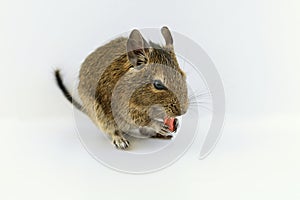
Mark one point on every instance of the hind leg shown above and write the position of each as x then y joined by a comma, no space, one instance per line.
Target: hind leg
119,140
110,128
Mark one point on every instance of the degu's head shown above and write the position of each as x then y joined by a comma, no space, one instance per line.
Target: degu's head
154,69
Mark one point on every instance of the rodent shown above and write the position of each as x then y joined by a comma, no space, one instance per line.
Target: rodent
131,84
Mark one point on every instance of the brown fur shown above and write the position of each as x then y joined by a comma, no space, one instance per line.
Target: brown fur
116,86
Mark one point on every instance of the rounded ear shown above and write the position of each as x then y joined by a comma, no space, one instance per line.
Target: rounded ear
137,47
167,36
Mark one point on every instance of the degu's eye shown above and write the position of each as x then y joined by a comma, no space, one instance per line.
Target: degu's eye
159,85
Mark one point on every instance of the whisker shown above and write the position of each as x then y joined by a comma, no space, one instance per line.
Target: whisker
203,93
195,107
157,115
207,94
200,104
199,101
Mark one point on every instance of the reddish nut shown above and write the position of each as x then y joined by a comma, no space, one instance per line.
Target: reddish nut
172,123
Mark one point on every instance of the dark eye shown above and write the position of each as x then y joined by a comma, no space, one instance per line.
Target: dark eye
159,85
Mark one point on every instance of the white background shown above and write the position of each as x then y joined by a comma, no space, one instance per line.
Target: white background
255,46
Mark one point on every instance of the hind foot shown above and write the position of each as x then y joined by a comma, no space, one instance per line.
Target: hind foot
119,141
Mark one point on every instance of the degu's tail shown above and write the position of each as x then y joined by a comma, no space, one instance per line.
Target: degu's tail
65,91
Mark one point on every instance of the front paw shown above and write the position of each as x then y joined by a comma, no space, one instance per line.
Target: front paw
161,128
159,136
120,142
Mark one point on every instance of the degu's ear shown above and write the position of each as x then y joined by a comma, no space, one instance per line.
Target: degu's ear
137,48
167,36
